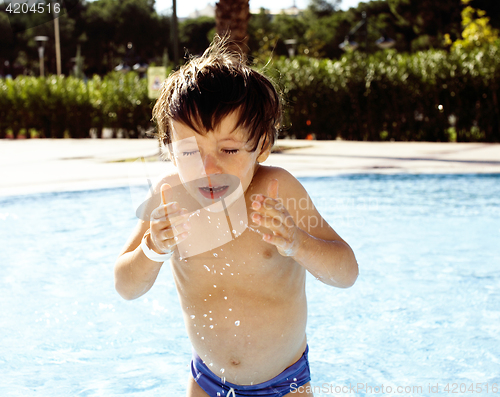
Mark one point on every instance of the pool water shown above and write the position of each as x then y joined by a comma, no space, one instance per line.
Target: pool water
425,310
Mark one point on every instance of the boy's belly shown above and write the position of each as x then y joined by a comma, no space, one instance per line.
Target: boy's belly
248,344
248,323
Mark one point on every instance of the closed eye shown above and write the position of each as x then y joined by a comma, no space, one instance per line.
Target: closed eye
230,151
189,153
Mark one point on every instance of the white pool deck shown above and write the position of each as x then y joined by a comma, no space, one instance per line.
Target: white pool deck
40,165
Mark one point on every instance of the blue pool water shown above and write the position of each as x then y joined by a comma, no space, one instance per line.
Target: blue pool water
424,311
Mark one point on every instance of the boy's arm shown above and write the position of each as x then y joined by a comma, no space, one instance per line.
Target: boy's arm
299,231
135,274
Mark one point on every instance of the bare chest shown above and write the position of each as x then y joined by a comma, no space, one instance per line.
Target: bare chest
245,264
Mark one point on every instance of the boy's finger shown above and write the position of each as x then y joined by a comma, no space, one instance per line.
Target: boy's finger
272,189
169,210
165,189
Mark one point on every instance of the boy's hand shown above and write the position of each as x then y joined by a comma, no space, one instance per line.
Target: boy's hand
168,224
271,214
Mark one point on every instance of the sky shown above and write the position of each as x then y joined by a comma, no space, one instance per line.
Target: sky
184,8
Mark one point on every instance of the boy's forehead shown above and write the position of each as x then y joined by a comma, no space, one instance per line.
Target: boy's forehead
227,130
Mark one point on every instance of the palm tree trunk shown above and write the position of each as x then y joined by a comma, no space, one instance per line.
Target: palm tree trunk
231,18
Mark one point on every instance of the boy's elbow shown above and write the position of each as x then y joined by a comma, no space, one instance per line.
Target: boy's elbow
121,285
344,280
123,293
352,277
352,271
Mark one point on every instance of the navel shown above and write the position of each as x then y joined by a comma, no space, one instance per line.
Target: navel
234,361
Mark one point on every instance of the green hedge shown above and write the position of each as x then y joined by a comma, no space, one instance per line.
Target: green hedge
378,97
58,107
431,96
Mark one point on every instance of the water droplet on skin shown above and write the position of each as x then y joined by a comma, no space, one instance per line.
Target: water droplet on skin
192,316
206,267
225,297
211,327
215,254
230,309
211,320
210,311
211,364
227,264
202,338
215,286
205,315
237,323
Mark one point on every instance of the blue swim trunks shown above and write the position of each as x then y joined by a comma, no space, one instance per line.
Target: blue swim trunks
289,380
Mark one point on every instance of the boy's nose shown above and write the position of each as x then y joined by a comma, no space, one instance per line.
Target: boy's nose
211,165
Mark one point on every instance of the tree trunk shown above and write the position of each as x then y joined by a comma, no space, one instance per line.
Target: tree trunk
231,18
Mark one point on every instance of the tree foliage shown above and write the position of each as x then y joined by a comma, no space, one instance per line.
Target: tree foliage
195,34
428,19
112,32
491,8
102,28
477,30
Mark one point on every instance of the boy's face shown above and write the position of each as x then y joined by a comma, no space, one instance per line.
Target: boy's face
213,165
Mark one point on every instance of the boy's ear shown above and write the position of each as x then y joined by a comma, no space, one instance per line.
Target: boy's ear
264,153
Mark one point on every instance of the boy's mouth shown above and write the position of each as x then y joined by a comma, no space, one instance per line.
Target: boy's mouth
213,192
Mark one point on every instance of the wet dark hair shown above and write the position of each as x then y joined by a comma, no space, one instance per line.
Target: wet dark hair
210,87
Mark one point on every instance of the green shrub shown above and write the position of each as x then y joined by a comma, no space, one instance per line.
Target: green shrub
384,96
62,106
393,96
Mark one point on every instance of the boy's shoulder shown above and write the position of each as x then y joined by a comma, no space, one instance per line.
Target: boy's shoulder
288,185
271,172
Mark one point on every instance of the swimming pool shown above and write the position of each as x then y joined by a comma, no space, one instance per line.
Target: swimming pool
424,311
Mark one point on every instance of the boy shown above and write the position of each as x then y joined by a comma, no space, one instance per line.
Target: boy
243,292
